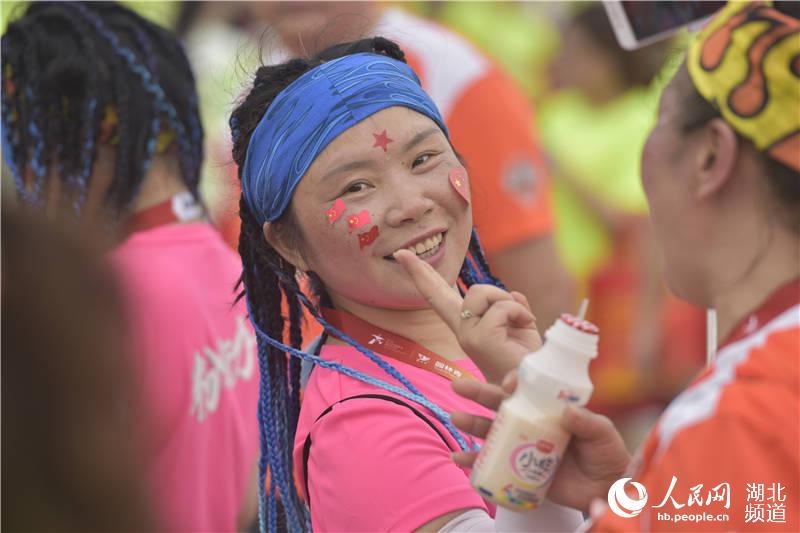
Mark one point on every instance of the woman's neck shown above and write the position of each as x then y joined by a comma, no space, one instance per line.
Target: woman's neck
162,182
776,265
422,326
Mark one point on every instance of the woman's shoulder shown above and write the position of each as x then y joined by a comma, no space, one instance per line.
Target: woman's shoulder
358,376
345,413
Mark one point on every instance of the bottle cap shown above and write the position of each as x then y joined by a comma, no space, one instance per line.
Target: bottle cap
575,333
581,324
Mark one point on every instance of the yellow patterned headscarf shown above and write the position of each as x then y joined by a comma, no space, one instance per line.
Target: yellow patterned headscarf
746,62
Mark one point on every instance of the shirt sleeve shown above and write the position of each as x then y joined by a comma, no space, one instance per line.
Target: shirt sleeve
492,126
727,468
376,466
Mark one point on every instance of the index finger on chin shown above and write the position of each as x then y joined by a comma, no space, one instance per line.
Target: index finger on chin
432,286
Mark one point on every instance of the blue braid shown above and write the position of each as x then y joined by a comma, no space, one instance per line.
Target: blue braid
9,153
480,259
147,79
195,127
39,170
262,444
384,365
233,122
275,446
155,126
417,397
195,148
8,145
268,447
295,369
273,507
477,239
86,157
277,454
296,341
197,133
81,180
283,453
61,172
443,417
468,272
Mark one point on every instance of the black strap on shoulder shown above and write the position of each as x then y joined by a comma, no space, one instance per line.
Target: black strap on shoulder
307,444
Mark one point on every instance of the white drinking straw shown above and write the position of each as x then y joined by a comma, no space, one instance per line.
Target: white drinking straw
584,307
711,335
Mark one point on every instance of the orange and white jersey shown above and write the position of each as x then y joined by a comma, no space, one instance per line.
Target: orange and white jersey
725,455
491,126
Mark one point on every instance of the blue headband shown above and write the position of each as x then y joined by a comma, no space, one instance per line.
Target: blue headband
311,112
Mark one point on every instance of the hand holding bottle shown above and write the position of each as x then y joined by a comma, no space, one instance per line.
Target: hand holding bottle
497,330
595,458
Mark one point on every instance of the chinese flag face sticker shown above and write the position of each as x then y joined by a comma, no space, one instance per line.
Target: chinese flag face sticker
459,181
367,238
335,212
359,220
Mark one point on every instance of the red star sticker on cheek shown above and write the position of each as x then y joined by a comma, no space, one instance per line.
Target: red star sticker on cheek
381,140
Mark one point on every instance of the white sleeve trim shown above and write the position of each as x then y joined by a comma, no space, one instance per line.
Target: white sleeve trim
548,517
472,521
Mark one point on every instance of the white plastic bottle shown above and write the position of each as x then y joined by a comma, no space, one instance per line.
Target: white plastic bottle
526,442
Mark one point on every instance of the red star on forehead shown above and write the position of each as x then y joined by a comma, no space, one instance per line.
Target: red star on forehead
381,140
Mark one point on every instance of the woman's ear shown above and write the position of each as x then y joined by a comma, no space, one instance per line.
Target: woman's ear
717,158
289,253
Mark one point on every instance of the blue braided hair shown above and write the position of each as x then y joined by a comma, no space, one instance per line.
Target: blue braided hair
188,162
477,256
155,123
8,144
268,281
65,64
38,166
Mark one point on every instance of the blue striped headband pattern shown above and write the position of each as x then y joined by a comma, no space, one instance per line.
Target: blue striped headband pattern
311,112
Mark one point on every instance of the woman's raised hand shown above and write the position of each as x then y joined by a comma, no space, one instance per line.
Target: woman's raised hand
494,327
497,329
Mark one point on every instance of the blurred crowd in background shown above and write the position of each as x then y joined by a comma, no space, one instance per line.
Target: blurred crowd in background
593,104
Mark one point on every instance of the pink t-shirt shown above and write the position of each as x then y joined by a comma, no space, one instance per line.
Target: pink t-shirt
196,372
375,465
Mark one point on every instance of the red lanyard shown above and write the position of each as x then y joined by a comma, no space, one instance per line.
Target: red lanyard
180,208
780,300
392,345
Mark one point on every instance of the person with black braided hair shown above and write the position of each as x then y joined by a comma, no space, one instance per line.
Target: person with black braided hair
346,164
101,129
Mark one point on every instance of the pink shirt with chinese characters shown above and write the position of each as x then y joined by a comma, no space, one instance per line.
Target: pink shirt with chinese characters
196,372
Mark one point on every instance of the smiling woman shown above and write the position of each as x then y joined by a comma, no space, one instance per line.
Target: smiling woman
345,161
404,192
